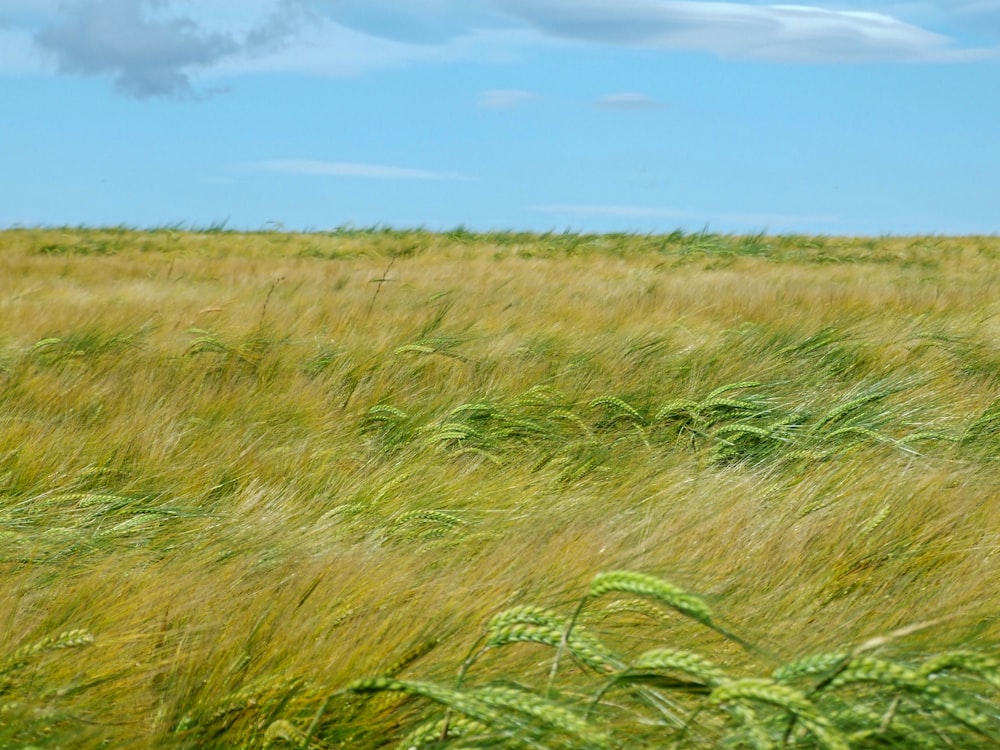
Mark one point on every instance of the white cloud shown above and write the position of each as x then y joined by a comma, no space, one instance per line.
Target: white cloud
688,215
791,33
165,47
611,210
326,49
352,169
628,100
505,98
413,21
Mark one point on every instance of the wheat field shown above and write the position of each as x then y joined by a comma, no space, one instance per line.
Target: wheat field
378,488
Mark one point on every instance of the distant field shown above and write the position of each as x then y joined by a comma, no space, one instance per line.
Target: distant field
350,489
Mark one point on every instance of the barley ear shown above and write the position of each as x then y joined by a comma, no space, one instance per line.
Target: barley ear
824,666
537,625
980,665
68,639
688,663
786,698
688,604
544,712
436,731
698,675
457,701
640,584
282,732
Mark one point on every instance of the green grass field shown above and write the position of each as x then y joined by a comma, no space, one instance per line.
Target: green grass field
375,488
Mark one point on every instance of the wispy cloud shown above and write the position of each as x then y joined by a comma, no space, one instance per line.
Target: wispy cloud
505,98
979,16
628,100
353,169
17,52
414,21
689,215
164,48
610,210
791,33
21,11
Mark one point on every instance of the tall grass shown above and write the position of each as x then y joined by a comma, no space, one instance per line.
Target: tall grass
676,697
243,473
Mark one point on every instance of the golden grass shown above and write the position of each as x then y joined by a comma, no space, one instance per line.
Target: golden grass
259,467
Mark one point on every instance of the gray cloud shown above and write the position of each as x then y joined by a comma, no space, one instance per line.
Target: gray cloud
764,32
154,48
146,55
279,29
146,52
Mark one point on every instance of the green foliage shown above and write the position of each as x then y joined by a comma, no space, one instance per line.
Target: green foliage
983,433
750,429
29,714
666,697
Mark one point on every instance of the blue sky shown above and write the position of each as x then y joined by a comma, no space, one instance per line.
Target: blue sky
841,117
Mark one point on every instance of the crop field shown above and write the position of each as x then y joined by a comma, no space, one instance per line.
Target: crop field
379,488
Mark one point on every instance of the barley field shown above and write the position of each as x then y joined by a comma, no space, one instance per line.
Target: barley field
376,488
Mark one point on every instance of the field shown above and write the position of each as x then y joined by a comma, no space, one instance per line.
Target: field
377,488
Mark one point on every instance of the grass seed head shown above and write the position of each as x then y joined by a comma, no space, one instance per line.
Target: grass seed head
641,584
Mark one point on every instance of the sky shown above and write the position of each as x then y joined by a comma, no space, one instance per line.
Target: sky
843,117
